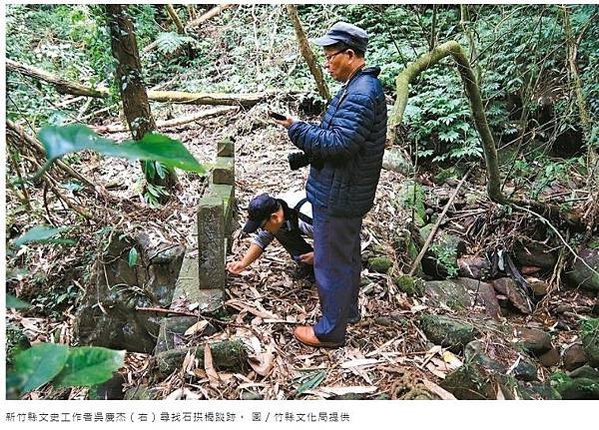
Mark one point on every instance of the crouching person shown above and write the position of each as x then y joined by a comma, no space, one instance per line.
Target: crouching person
288,219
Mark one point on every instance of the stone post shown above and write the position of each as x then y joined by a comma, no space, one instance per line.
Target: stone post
211,247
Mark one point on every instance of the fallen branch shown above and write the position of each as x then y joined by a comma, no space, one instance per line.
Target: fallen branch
173,122
17,132
208,15
431,235
212,99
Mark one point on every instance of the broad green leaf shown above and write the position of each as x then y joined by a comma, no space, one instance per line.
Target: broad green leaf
39,233
39,364
59,141
14,303
89,365
133,257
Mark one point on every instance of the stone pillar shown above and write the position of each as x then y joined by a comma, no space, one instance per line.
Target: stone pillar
211,246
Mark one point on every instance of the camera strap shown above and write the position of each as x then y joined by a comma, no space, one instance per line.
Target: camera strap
305,218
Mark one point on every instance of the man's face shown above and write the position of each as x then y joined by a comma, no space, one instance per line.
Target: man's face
338,63
275,221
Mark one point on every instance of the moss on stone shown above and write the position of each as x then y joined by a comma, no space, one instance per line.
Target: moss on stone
379,264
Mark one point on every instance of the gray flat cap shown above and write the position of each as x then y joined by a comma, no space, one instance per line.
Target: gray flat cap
344,32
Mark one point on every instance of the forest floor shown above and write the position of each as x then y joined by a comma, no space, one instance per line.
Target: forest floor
386,353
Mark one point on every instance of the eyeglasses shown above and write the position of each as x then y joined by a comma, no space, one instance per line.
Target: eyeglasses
328,58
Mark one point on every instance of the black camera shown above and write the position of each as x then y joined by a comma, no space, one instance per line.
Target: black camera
300,159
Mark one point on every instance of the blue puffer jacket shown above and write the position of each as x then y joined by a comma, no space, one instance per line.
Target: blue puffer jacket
350,141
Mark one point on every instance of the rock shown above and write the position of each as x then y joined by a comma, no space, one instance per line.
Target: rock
509,288
534,341
535,254
589,334
395,160
550,358
576,389
482,292
447,331
379,264
409,285
473,267
537,391
538,286
449,293
585,371
580,275
574,356
477,352
106,315
471,381
228,355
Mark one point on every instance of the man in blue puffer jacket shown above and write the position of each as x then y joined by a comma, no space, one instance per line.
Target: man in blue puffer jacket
346,150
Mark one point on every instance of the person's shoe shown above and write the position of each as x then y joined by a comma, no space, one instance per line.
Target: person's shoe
305,334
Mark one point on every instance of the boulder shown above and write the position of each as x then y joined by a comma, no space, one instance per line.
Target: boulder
589,334
535,254
482,293
471,381
537,391
574,356
379,264
515,296
583,386
449,293
447,331
533,341
550,358
396,160
119,284
538,286
409,285
580,275
487,355
473,267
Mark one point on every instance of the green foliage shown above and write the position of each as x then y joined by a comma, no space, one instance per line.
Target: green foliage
13,303
62,366
39,364
41,234
445,254
59,141
133,257
169,43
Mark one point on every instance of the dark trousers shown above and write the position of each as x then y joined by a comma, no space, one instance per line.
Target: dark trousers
337,267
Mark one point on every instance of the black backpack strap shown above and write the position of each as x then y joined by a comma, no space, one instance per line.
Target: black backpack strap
305,218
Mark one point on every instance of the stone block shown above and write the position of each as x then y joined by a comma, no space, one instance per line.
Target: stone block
224,171
211,247
226,147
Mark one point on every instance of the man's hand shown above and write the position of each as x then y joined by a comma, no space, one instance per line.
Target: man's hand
235,267
307,258
285,122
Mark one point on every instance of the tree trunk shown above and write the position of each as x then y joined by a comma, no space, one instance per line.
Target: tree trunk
133,92
176,20
307,53
476,105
